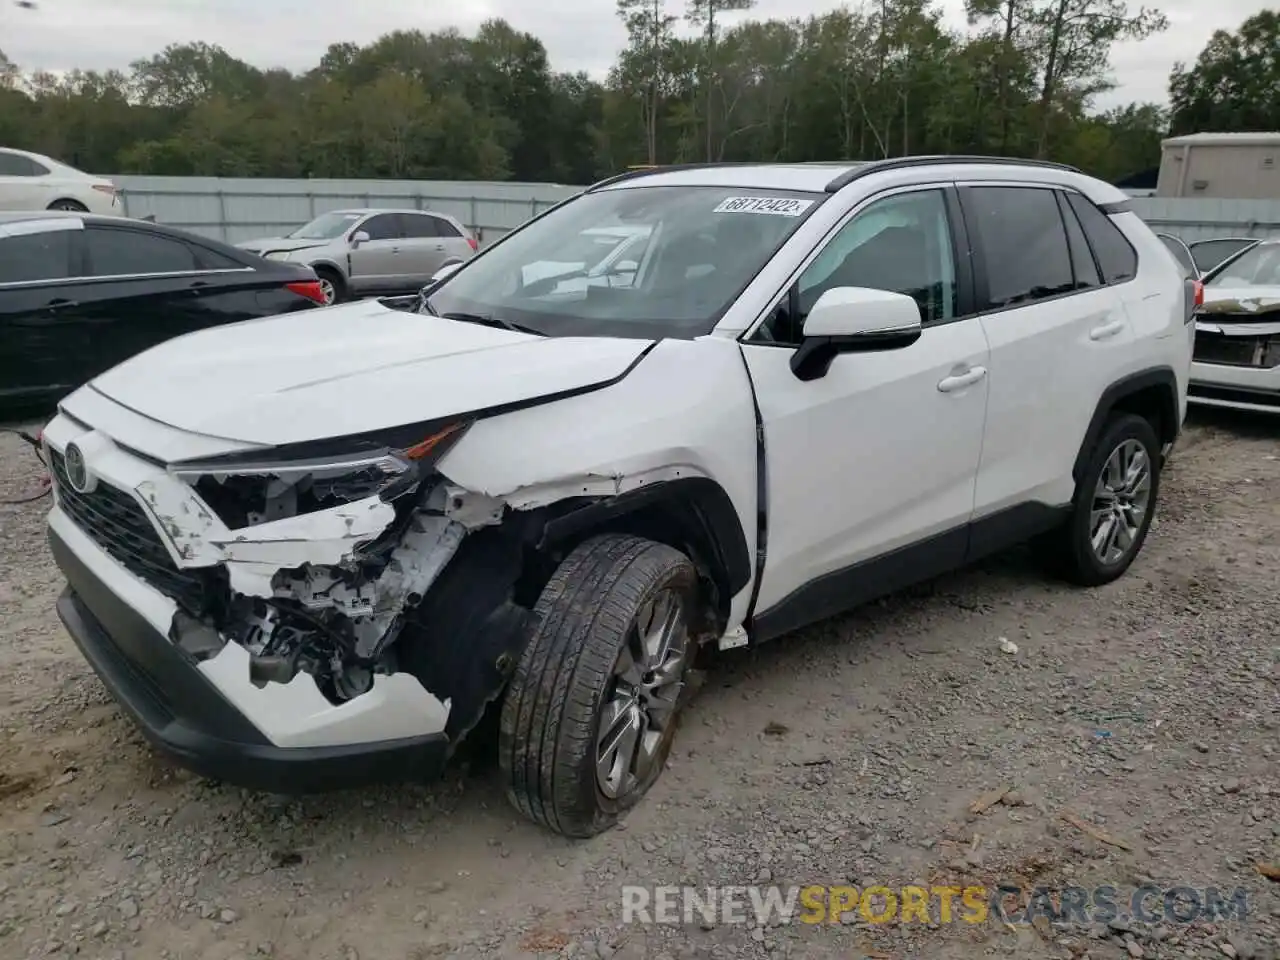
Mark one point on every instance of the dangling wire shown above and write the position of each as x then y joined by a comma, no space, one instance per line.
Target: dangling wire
46,482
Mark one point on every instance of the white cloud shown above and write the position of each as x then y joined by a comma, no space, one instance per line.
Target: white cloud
579,34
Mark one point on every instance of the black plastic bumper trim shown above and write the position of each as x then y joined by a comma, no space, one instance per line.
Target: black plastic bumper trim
1254,395
183,715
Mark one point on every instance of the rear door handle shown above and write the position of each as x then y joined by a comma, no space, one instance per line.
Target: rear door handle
439,246
961,380
60,304
1106,330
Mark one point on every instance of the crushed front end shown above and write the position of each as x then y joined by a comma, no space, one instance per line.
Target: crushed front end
1237,354
292,619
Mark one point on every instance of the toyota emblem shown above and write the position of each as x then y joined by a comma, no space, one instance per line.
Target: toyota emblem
77,473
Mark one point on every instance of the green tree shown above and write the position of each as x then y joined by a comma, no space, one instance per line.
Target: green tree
705,14
883,79
1234,83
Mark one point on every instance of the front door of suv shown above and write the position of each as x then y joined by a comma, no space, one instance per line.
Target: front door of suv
377,265
1058,333
882,452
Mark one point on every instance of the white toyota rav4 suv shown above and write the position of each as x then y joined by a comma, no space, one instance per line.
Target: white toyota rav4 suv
312,552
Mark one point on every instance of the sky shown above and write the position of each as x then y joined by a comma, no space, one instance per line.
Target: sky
585,35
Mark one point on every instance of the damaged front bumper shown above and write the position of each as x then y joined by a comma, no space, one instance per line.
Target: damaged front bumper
185,712
1236,362
291,653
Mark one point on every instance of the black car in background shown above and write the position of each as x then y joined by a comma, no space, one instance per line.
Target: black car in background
80,294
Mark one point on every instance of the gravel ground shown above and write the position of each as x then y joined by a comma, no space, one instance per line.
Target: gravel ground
851,753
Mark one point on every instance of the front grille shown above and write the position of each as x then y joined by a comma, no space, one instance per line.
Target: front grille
1258,352
117,523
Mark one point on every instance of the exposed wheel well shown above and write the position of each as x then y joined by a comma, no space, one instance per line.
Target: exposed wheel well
693,515
1152,395
332,272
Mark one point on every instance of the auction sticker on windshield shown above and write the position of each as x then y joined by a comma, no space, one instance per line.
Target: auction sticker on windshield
777,206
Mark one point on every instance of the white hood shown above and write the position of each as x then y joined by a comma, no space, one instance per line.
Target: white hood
351,369
270,244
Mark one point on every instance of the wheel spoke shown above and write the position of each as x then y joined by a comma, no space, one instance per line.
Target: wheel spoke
629,669
648,681
665,617
647,747
623,726
1102,535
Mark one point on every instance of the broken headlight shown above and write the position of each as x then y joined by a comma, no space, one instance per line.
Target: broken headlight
246,491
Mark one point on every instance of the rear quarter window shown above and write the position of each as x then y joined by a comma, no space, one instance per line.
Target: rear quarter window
1117,259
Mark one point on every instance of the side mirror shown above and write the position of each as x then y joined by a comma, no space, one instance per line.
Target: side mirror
854,320
445,272
358,238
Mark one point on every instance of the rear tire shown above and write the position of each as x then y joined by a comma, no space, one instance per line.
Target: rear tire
331,283
70,206
1114,504
591,712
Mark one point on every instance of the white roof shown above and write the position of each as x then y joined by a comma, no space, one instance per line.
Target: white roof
814,177
1224,140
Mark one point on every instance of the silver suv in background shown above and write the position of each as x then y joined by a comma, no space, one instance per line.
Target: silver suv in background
365,252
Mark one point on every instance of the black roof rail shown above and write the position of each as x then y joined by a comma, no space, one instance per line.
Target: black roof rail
899,163
647,171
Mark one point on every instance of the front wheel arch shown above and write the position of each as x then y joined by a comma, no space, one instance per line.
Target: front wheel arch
694,515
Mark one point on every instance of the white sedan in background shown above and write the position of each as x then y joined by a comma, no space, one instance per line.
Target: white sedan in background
29,181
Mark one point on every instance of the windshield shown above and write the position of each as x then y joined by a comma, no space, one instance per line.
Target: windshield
629,262
326,226
1258,266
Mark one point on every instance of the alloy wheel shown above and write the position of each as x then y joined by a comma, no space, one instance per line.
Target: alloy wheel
642,696
1120,502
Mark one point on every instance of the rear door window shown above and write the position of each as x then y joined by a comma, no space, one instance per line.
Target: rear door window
15,165
37,256
418,226
114,252
1023,242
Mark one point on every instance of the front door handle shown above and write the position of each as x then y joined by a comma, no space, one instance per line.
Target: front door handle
60,304
1106,330
961,380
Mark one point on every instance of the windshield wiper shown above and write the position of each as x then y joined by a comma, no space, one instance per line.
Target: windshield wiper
488,320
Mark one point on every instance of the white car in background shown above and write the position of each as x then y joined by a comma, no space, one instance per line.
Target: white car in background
29,181
1237,354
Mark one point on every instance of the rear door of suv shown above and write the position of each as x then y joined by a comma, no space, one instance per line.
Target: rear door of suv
1058,333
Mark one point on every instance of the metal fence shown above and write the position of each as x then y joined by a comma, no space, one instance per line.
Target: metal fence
243,208
1199,219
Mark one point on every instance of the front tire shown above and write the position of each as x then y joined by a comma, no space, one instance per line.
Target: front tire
1113,508
331,285
69,206
591,712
